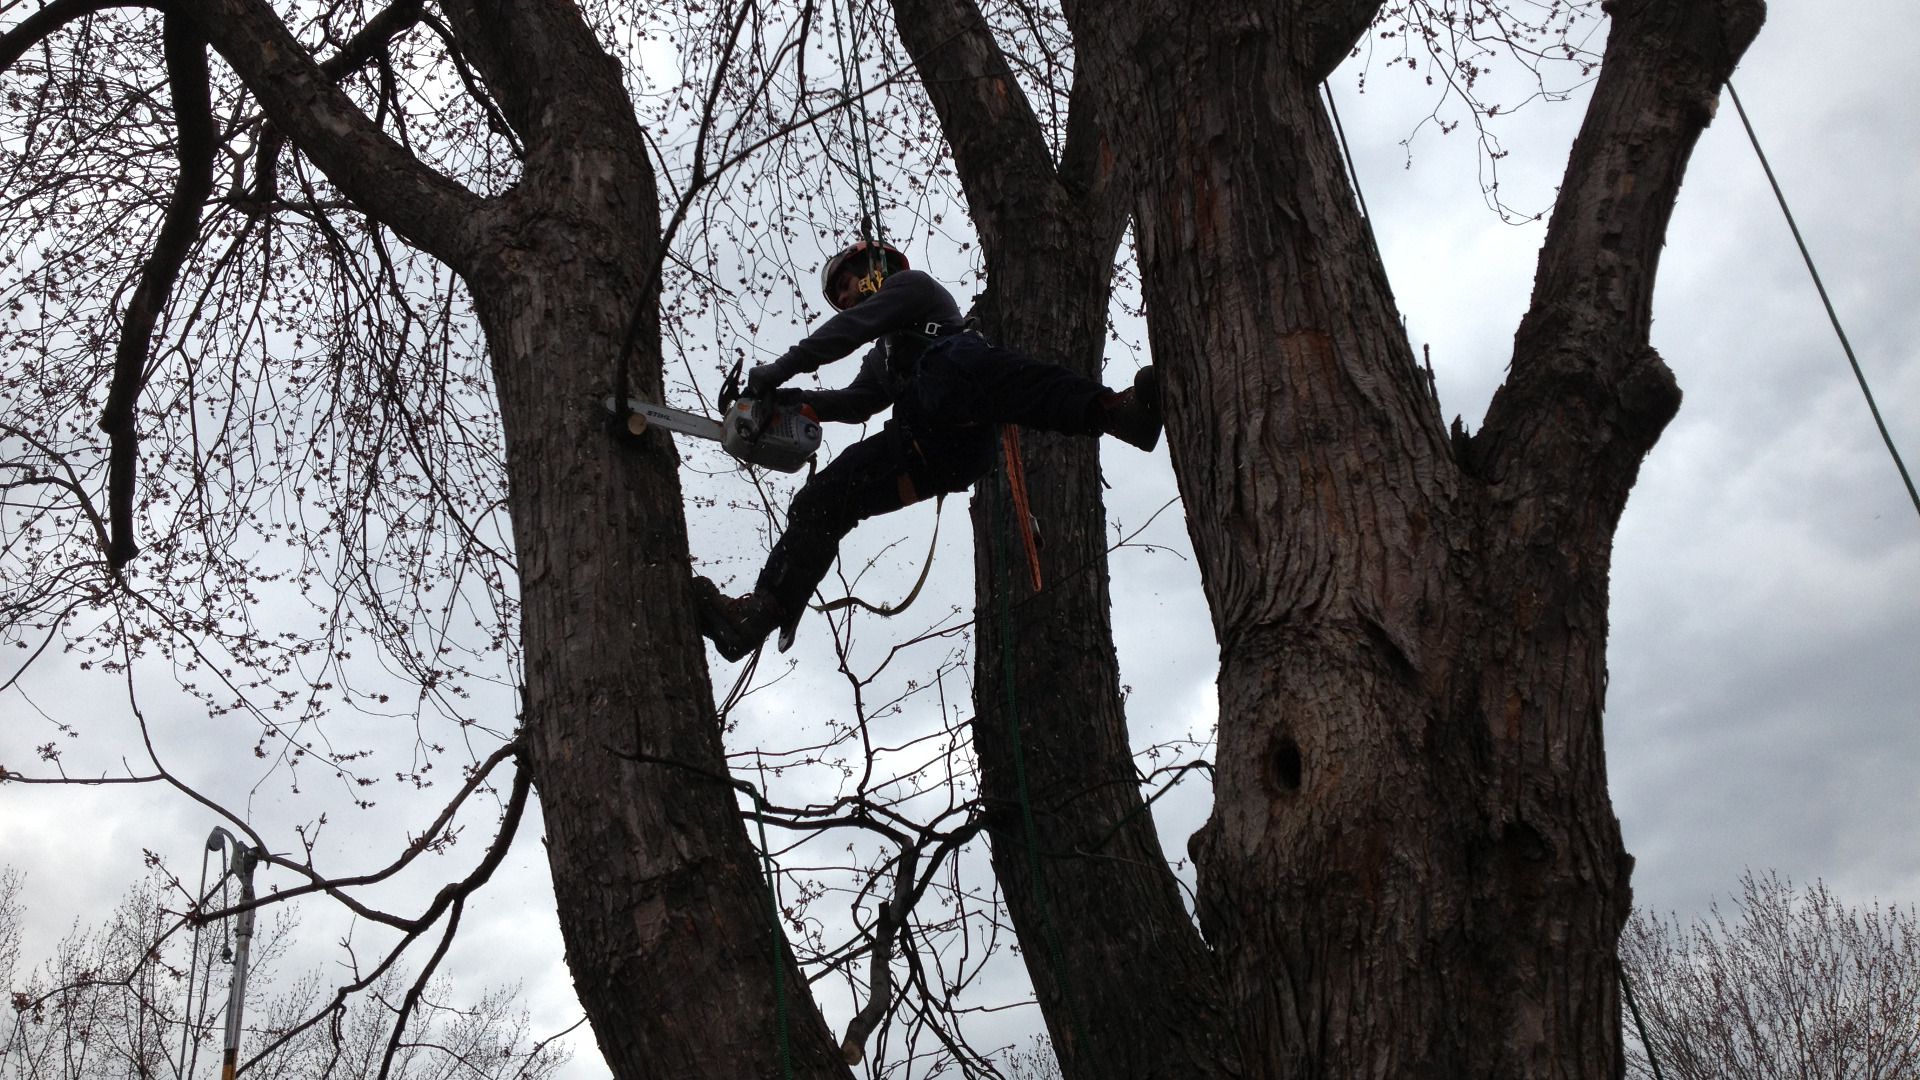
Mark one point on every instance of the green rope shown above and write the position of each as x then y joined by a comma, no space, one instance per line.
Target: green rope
1858,375
1626,989
1032,834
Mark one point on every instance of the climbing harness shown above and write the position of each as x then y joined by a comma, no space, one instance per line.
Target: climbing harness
1846,345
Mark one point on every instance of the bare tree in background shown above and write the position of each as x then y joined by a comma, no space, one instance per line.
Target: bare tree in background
1799,984
112,1001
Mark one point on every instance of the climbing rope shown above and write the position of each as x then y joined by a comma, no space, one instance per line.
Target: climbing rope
1353,177
853,94
1858,375
1030,833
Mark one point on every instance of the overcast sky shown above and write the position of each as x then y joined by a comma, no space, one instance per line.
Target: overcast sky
1765,696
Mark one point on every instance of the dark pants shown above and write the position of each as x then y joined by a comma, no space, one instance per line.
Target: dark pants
941,439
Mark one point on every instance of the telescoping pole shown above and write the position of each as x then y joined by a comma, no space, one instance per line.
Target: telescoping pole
244,860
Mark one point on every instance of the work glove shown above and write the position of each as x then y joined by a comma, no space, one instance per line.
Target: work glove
762,379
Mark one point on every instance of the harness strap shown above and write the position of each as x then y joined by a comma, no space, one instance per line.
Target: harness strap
890,610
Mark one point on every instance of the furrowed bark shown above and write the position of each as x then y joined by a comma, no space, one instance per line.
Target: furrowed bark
1412,868
1549,475
1585,387
663,909
1139,997
186,56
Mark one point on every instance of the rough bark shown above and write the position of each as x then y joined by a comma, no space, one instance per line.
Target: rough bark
665,915
1413,868
1140,997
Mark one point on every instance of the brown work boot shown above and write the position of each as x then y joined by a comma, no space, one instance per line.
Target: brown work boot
1133,414
738,625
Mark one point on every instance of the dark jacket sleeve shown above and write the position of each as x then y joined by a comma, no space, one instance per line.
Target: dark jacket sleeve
866,395
907,300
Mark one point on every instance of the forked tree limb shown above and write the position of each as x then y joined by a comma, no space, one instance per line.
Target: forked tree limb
369,42
1587,394
990,126
390,184
186,56
1122,977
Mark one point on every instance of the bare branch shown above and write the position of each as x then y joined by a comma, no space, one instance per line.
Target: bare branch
389,183
51,18
186,52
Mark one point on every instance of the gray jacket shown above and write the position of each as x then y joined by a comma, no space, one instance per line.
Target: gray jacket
895,318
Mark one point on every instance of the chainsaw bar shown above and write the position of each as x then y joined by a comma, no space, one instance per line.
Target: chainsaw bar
757,432
642,414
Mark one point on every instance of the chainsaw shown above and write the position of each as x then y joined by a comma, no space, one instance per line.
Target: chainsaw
753,430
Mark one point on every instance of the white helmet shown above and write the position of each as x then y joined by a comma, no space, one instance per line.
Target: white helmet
873,259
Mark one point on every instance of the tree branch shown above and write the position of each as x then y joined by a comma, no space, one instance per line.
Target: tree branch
331,886
1586,389
880,971
454,893
186,53
36,27
371,41
391,185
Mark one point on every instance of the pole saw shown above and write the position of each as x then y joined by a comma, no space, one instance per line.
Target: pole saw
753,430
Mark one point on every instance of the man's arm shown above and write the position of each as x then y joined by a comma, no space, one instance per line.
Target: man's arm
866,395
908,300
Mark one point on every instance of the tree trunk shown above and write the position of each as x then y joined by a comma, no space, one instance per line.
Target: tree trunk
666,917
1139,996
1412,868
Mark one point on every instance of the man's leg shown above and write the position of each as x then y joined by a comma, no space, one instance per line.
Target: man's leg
964,380
870,477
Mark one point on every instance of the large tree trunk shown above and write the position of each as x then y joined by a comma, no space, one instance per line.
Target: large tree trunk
1413,868
668,924
1139,997
666,917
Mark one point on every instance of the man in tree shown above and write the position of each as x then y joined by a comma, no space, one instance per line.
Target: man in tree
949,388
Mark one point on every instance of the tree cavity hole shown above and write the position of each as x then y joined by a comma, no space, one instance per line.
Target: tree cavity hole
1285,763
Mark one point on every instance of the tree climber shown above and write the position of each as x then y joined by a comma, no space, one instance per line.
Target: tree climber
948,387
